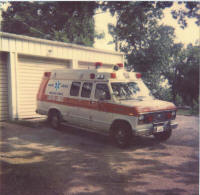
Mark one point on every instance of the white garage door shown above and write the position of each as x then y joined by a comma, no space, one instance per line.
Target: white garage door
91,65
30,72
3,87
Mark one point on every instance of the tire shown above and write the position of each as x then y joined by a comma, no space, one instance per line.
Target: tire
122,135
55,119
163,136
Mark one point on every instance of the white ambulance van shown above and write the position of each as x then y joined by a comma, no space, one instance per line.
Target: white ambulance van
109,101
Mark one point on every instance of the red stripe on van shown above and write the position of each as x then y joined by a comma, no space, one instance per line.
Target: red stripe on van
101,106
105,107
41,92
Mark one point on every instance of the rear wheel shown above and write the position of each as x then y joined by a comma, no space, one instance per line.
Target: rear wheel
55,119
122,135
163,136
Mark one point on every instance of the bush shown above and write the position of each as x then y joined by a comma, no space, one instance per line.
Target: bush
195,108
163,94
179,100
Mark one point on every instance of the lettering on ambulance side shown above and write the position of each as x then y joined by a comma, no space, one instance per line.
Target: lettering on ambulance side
56,88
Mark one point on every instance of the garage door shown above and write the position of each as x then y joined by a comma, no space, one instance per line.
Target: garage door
30,72
3,87
91,65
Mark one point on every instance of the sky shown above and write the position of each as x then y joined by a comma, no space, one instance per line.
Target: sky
188,35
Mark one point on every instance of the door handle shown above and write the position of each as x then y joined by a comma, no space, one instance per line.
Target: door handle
92,102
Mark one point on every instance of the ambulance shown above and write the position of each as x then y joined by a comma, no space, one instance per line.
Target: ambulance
113,102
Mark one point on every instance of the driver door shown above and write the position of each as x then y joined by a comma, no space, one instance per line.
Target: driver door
101,117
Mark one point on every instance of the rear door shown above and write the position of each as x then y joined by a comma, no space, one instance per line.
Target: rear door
84,105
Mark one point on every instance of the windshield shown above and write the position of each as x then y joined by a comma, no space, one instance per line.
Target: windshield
131,90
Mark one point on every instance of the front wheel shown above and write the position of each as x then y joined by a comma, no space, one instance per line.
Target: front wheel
122,135
163,136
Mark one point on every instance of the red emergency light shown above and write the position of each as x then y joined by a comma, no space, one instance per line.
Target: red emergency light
138,75
113,75
47,74
92,76
120,65
98,64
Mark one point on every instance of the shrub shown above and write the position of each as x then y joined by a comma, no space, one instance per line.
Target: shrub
195,108
179,100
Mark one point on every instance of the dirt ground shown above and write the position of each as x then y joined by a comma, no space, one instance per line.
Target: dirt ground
44,161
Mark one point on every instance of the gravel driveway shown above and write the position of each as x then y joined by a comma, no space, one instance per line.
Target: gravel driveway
43,161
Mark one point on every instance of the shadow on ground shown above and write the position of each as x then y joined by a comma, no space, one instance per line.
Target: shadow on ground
71,161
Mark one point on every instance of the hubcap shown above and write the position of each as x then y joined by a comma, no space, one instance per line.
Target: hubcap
120,136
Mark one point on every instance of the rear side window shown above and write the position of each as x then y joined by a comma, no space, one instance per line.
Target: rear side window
86,90
75,87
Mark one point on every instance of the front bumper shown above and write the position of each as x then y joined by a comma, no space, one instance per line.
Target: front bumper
151,129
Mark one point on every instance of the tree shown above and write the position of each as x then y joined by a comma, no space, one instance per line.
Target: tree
150,48
63,21
147,13
132,33
188,75
146,44
191,11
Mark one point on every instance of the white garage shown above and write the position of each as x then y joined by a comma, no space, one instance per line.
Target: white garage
23,60
3,87
30,72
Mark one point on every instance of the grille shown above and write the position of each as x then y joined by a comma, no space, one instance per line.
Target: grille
159,117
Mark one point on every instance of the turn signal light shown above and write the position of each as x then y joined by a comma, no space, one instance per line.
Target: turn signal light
169,115
150,119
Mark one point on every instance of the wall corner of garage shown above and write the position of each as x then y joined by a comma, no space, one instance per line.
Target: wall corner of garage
12,84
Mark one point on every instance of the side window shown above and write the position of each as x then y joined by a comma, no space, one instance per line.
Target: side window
102,89
74,91
86,90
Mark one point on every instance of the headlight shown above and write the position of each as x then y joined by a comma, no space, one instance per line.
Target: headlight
173,113
145,119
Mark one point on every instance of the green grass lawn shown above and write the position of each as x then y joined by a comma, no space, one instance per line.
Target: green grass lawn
186,112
